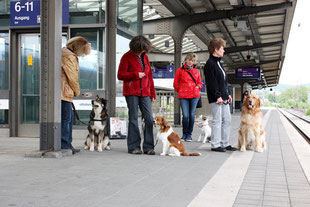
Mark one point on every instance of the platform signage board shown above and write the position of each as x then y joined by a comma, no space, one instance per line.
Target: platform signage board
248,73
27,13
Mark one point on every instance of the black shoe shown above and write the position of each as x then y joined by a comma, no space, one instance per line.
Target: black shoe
218,149
136,152
74,151
230,148
150,152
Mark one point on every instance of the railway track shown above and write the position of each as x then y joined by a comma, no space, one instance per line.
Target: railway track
302,124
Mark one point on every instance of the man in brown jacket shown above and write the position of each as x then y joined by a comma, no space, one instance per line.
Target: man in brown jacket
70,88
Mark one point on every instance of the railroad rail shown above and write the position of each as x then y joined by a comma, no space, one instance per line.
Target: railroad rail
301,123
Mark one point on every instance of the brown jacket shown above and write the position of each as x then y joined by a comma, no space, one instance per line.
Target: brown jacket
69,75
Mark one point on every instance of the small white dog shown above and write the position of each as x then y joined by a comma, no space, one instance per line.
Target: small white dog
205,129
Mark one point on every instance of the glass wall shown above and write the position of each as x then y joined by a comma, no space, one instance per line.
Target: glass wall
122,46
92,74
4,61
129,17
86,11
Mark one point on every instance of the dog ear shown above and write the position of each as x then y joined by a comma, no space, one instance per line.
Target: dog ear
259,102
165,123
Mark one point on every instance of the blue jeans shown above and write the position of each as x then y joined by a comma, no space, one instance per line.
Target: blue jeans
188,106
134,138
66,124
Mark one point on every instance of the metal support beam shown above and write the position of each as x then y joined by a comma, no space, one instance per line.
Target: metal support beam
167,25
177,63
50,95
253,64
111,31
236,49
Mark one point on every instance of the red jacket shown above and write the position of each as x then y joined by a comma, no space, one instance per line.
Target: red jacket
128,71
184,84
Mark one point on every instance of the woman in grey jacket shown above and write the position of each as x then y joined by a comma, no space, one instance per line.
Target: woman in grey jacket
218,96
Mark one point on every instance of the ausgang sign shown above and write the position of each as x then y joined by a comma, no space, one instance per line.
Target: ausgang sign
248,73
27,13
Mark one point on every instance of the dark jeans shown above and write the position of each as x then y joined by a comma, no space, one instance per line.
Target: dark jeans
134,138
66,124
188,106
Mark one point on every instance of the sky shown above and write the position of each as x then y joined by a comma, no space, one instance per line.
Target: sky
296,67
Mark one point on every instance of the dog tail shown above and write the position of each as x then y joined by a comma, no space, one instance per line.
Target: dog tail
190,154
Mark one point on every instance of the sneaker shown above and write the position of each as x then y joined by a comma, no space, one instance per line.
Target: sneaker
189,139
230,148
218,149
183,138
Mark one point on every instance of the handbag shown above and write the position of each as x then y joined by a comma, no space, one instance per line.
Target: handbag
199,104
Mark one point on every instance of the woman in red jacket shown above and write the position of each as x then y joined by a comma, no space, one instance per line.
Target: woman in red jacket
138,89
189,93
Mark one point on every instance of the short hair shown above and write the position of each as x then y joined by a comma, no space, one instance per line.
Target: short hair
139,43
216,43
78,45
191,56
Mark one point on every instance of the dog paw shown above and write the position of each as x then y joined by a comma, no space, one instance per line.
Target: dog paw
259,150
107,148
242,149
162,154
99,149
91,149
86,147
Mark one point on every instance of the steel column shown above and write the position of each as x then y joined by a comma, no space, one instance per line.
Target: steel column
50,95
111,31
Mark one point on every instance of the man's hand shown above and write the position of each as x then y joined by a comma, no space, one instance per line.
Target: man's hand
219,101
152,100
141,75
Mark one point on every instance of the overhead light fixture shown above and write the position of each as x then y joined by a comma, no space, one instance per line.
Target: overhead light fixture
167,43
233,2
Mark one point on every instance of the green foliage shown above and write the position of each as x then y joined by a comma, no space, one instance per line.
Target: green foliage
294,97
308,112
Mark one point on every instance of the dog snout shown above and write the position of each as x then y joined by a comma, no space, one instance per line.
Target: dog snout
96,106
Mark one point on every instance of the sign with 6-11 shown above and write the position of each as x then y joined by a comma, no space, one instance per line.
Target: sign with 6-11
27,13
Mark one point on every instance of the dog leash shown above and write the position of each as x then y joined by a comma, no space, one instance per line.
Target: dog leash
77,115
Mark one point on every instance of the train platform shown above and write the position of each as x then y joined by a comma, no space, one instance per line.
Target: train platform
279,176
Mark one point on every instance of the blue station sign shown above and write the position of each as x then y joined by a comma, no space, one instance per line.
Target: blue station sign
248,73
27,13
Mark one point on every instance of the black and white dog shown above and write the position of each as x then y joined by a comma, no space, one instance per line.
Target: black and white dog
98,126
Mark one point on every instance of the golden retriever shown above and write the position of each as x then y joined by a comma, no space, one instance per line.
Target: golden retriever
251,133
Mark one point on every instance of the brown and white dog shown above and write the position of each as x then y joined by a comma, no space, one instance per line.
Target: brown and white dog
98,136
172,144
251,133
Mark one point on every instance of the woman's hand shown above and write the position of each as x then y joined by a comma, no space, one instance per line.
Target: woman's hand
141,75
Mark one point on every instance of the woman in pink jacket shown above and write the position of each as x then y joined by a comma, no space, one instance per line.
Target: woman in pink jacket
187,83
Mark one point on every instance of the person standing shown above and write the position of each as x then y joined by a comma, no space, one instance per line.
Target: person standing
75,47
138,89
218,96
187,83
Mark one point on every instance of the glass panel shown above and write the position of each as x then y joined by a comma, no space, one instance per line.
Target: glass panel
30,78
92,69
4,116
86,11
4,61
122,46
128,14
